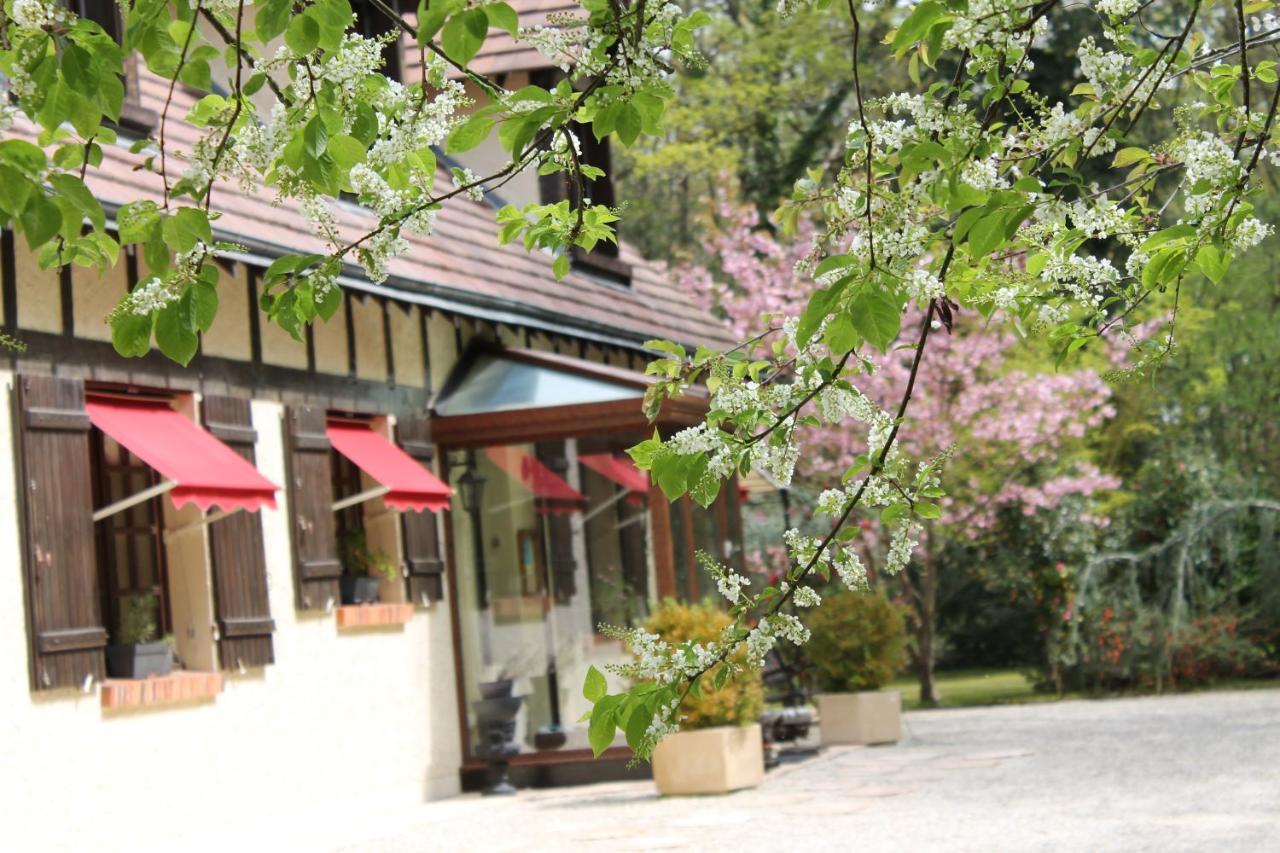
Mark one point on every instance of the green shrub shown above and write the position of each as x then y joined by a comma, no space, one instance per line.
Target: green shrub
859,642
739,701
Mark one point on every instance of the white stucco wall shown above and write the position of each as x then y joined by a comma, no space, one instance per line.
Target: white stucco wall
341,721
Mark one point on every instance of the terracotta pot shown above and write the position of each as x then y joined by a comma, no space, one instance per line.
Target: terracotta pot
873,716
709,761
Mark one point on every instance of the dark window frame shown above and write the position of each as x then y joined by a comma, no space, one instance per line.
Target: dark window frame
605,259
142,525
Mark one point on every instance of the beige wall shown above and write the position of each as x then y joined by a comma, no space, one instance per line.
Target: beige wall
362,720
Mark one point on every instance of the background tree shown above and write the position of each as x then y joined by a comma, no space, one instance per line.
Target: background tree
1019,429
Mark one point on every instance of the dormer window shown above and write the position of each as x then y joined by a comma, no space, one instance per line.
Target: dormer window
605,259
372,23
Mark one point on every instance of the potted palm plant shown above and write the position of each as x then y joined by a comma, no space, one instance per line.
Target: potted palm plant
139,650
718,748
361,565
857,646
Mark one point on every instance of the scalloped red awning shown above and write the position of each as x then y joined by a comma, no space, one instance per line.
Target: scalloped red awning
551,494
206,471
410,486
621,471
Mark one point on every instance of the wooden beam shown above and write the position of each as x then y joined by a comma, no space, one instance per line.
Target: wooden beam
663,553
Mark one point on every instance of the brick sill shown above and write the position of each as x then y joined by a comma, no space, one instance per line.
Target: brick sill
171,689
372,615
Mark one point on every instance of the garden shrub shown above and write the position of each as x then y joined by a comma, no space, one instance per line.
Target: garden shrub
859,642
739,701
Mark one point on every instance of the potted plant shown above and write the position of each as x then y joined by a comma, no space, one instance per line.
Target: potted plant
139,651
718,748
360,566
858,644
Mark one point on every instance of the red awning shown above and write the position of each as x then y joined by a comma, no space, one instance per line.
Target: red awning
409,485
550,492
621,471
206,472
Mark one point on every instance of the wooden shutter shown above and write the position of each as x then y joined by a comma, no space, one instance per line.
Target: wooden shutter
561,564
421,530
64,607
241,602
315,544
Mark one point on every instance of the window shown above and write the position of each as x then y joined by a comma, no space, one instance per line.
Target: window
364,514
105,13
132,571
604,260
371,22
119,549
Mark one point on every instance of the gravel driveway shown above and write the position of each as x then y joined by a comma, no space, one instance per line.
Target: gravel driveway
1188,772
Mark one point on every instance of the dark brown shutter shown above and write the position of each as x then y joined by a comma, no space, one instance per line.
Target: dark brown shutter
421,530
561,564
64,607
240,598
315,545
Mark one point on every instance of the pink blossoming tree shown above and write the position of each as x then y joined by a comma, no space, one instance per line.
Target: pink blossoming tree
1019,430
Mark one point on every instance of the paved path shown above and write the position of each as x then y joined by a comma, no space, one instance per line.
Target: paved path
1189,772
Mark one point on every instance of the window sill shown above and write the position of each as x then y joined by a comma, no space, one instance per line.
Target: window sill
172,689
373,615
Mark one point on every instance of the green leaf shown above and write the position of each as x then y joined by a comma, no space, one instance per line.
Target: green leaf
595,687
604,723
925,509
917,24
175,337
272,18
628,124
560,266
74,190
503,17
432,15
131,334
303,35
638,724
841,336
877,317
1212,262
464,34
468,135
820,302
986,234
185,228
40,220
204,301
1129,156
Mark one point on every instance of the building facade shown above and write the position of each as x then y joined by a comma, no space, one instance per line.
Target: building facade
453,435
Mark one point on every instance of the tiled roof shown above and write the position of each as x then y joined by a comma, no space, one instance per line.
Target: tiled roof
462,258
500,53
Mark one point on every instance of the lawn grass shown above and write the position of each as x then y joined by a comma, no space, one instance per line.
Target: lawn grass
968,687
972,687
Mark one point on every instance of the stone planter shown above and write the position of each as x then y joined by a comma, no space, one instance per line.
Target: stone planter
873,716
709,761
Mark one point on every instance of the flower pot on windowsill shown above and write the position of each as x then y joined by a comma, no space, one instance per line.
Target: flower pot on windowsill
139,660
358,589
868,717
709,761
